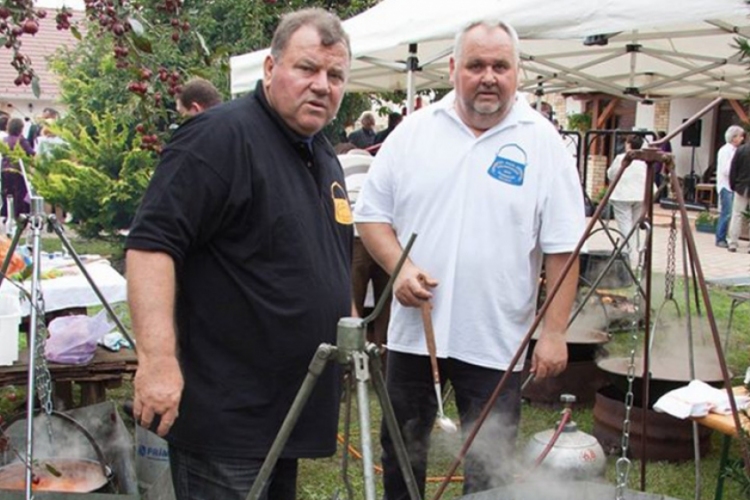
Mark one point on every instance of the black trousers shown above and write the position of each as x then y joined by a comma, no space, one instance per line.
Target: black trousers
197,476
411,389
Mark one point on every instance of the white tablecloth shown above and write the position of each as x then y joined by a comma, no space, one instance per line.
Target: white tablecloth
70,291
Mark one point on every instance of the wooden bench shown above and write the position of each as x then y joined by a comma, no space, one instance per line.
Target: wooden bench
725,425
105,371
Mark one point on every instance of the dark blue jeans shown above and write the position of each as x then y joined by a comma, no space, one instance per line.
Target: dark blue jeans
411,389
725,215
197,476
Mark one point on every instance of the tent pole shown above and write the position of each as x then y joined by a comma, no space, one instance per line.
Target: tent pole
412,64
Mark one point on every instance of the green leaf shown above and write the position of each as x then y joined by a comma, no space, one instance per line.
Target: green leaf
35,86
143,44
77,34
138,28
202,41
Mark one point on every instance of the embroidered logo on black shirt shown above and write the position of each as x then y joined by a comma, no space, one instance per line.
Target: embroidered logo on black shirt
341,205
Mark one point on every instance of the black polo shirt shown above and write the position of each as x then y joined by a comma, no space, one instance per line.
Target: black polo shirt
247,210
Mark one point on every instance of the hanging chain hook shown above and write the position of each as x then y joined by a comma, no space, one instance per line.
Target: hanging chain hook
623,464
669,277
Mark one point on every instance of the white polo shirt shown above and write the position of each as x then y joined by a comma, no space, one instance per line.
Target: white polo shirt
723,166
485,210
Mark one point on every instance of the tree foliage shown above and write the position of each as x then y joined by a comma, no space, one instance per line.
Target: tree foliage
118,85
98,175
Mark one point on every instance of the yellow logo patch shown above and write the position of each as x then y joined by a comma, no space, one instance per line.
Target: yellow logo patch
341,206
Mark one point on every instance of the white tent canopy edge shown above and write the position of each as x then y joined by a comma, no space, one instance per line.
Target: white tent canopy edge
654,49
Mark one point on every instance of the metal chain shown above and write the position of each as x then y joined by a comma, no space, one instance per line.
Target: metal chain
41,372
42,376
623,464
669,278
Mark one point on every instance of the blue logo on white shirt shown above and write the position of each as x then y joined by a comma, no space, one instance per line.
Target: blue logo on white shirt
509,165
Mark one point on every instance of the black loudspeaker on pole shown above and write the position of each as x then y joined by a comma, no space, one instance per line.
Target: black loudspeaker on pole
691,136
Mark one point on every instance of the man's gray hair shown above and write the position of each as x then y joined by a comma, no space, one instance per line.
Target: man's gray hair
327,25
733,132
459,40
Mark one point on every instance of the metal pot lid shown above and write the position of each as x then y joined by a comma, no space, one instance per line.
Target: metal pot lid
675,370
566,440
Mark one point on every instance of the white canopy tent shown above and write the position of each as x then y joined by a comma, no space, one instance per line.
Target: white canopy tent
653,50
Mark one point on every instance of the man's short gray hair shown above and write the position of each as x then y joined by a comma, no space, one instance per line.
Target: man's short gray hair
733,132
327,25
461,35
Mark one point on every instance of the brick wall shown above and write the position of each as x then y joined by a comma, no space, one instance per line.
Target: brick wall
661,115
596,174
558,105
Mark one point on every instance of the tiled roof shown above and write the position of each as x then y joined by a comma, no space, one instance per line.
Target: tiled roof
37,47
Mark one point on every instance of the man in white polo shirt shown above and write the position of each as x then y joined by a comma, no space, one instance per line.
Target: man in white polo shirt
487,185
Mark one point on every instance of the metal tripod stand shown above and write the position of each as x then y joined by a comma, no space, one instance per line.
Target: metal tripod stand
363,358
39,380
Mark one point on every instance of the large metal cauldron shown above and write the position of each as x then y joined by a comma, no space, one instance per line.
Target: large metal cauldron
57,474
581,377
665,375
550,490
71,462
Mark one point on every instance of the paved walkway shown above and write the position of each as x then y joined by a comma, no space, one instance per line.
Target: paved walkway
718,264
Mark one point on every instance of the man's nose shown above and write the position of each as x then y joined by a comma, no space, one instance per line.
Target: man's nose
320,82
488,76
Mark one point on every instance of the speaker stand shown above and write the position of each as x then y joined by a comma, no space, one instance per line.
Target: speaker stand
691,180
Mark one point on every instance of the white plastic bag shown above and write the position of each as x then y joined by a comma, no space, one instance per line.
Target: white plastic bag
73,339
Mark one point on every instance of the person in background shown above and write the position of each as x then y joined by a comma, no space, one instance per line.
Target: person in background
14,179
197,95
238,267
486,183
4,119
36,128
627,198
364,137
739,183
733,136
48,140
393,120
659,167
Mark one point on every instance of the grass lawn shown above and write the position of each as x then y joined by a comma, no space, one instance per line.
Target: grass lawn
321,479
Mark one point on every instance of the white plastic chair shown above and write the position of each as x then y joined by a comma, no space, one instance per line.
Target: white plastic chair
355,168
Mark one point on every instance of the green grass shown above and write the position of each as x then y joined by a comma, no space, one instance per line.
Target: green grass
110,249
321,479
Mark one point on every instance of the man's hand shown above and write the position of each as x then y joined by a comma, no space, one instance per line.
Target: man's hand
550,356
158,389
412,286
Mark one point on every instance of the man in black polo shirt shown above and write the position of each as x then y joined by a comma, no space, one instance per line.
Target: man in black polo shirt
239,267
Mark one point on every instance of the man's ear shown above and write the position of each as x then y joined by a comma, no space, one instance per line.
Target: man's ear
196,108
268,64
